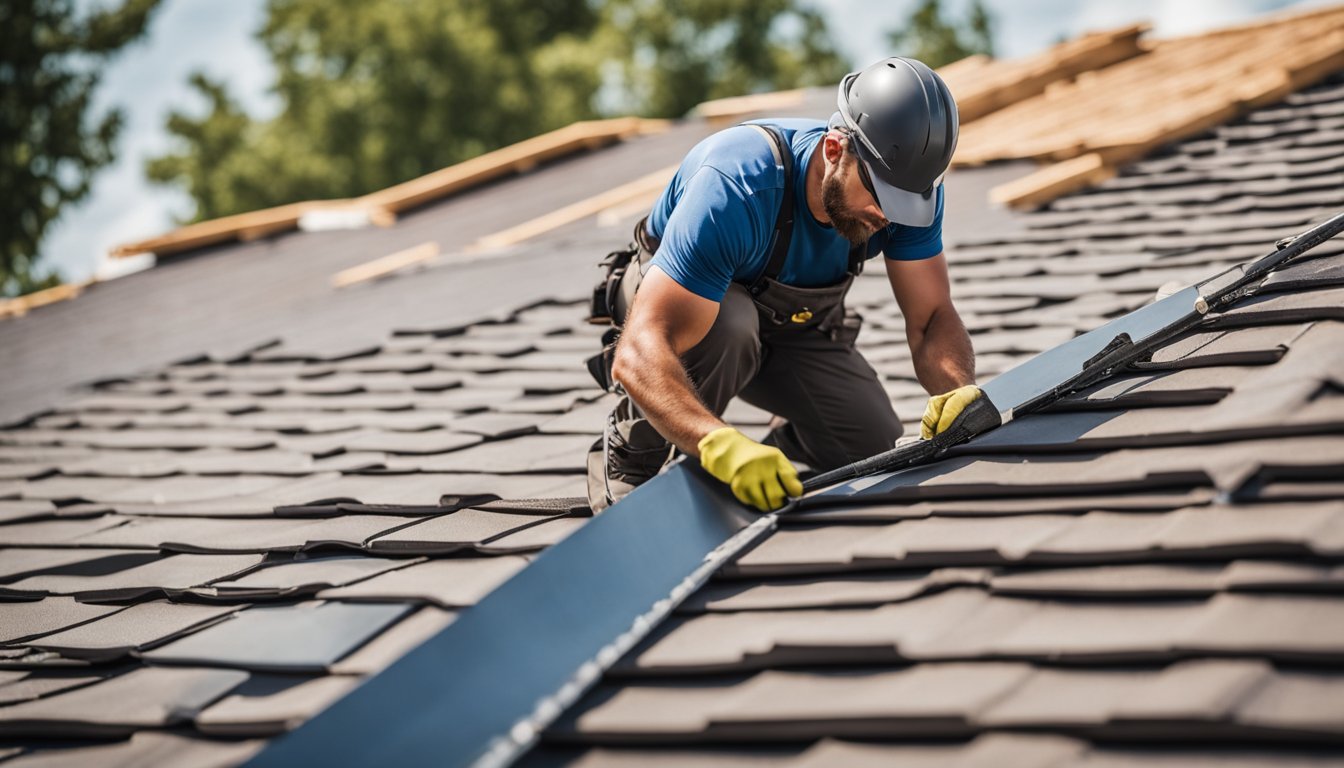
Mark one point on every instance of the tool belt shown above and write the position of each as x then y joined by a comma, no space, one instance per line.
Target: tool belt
613,295
780,306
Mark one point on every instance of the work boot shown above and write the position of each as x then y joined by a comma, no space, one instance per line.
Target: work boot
629,453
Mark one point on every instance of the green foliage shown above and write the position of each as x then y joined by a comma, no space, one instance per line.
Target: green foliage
936,40
50,143
676,55
373,94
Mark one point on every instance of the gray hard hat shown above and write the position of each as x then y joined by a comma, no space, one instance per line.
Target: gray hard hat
905,121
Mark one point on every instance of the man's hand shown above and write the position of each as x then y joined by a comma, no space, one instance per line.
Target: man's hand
758,474
944,409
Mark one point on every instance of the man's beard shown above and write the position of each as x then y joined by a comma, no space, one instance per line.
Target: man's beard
848,226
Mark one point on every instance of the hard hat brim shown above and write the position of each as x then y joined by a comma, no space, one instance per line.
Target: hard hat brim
899,206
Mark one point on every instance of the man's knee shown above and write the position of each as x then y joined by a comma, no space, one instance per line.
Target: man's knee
828,446
880,434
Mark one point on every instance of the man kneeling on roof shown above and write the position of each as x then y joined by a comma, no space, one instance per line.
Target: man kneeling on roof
742,269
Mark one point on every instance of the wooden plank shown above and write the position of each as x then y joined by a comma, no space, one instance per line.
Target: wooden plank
972,66
1178,88
201,234
981,90
372,270
511,159
980,84
1290,70
722,112
383,206
20,305
636,206
652,183
1053,181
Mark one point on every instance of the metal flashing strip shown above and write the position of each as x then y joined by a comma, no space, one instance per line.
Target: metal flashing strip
481,690
1086,359
1098,353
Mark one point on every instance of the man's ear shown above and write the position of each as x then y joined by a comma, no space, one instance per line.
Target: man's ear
833,147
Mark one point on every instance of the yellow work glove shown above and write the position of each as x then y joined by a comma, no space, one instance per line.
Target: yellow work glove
758,474
944,409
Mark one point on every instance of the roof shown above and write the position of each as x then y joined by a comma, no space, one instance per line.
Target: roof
274,487
201,554
1149,570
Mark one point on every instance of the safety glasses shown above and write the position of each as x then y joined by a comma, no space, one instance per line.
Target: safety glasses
866,179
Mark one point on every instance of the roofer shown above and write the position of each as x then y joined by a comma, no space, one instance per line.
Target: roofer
742,268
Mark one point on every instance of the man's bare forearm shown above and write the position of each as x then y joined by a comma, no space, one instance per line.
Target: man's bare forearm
655,379
943,357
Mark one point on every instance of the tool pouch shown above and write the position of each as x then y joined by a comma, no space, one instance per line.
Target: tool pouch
625,269
791,307
613,295
599,365
607,293
787,308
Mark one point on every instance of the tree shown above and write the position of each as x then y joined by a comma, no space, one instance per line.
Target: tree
936,40
51,143
373,94
676,55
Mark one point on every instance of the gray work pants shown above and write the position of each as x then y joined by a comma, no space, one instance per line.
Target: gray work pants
836,408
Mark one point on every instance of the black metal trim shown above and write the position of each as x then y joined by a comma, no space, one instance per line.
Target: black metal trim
481,690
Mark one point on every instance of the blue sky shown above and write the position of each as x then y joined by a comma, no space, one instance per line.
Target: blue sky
218,36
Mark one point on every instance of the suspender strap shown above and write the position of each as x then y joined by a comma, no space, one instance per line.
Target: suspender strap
779,241
858,256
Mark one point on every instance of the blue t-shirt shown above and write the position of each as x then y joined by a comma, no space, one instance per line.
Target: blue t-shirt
716,217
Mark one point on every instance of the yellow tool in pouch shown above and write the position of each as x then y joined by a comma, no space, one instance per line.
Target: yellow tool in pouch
803,316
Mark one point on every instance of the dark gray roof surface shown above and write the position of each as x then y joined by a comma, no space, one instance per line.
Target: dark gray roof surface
291,483
190,531
227,300
1147,571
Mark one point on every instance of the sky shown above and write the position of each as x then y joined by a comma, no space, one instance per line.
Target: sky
149,80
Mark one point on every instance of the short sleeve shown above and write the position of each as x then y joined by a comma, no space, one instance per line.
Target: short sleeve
708,236
916,243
